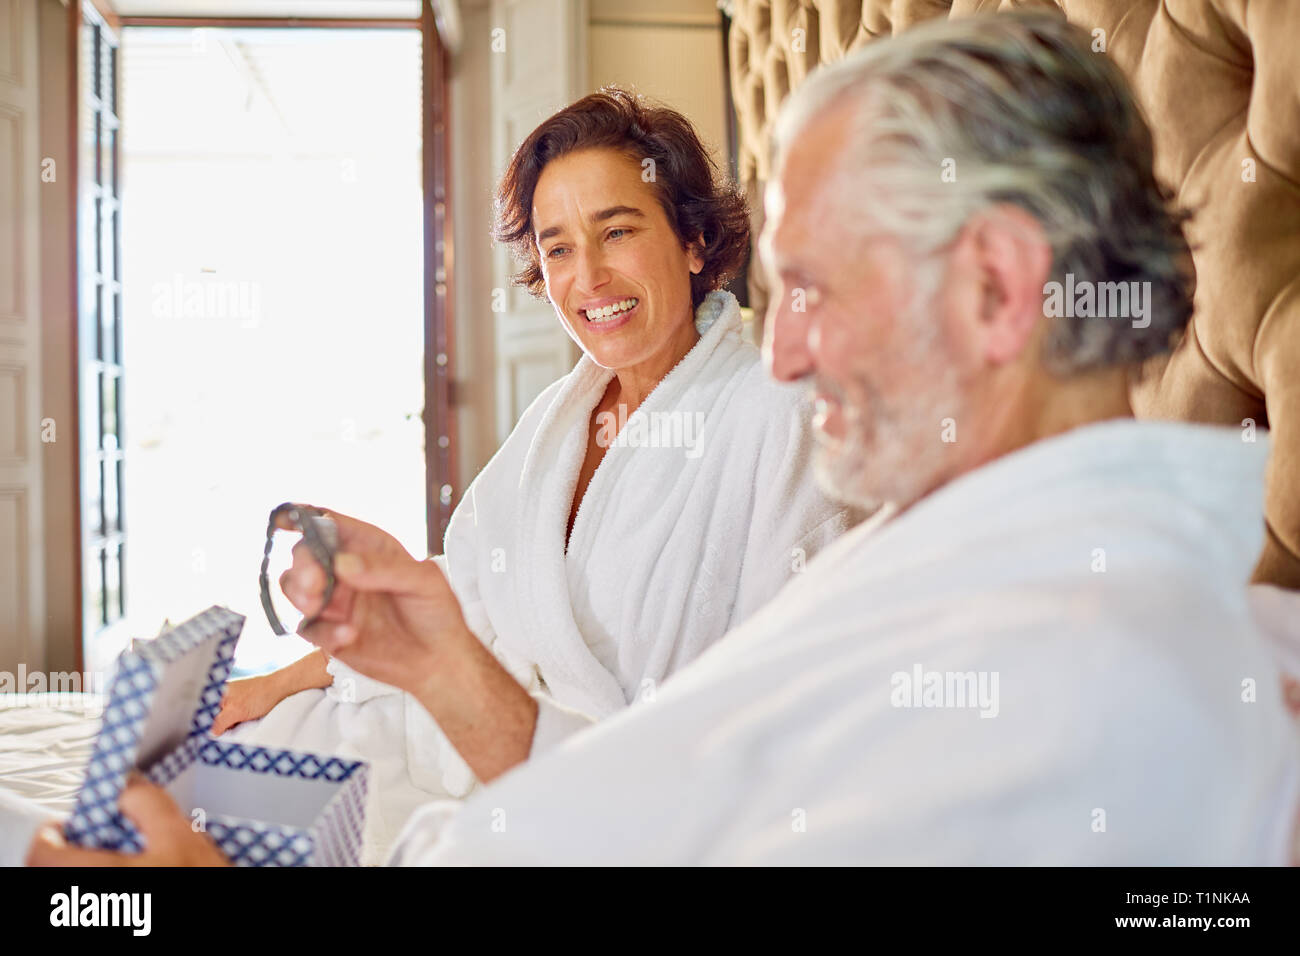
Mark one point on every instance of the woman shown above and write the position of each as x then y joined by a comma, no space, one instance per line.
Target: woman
645,504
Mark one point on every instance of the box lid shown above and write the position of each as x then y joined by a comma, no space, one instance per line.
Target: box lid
162,700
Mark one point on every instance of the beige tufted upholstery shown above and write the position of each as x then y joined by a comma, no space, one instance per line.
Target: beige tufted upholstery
1219,81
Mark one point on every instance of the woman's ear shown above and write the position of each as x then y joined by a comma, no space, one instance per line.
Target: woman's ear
695,254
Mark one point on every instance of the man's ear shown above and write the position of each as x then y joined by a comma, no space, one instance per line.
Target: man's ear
1012,259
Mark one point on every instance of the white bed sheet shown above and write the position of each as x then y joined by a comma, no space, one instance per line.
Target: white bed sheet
45,741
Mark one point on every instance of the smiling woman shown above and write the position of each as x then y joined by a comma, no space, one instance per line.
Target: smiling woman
670,161
613,267
645,504
616,213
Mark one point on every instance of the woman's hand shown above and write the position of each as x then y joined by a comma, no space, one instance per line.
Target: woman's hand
249,699
254,697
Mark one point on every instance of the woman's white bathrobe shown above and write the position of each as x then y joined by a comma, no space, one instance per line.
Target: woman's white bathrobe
701,511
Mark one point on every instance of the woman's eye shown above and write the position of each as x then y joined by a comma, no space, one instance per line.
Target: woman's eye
555,251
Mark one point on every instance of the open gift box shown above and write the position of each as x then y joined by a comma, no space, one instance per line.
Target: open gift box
263,807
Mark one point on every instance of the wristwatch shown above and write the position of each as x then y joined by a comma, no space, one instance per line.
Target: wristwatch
319,533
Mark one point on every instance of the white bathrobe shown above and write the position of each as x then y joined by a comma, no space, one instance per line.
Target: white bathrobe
700,511
1136,716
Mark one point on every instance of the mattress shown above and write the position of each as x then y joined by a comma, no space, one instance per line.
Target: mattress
45,741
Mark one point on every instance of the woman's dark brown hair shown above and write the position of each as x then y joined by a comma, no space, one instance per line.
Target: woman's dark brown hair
697,202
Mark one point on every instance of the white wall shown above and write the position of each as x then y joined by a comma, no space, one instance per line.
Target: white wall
670,50
472,181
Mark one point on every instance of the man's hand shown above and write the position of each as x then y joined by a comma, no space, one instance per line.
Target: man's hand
397,620
169,840
304,583
390,615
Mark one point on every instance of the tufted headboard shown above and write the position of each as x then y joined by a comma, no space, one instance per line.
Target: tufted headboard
1219,81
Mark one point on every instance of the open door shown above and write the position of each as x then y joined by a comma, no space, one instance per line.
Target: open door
99,248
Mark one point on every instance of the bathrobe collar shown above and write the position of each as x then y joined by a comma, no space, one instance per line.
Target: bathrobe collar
551,471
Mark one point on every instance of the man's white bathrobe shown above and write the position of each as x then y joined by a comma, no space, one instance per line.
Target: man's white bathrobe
1099,577
700,511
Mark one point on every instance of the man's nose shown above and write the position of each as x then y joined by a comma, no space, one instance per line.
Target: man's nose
786,342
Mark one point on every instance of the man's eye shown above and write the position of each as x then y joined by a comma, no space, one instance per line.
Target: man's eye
615,233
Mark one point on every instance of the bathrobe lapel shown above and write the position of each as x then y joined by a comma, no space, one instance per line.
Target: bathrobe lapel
547,485
550,472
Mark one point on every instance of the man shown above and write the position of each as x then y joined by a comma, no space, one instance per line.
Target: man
1040,651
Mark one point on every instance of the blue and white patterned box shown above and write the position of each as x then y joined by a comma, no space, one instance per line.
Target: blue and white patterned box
263,807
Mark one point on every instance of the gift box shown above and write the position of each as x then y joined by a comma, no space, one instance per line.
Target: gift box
262,806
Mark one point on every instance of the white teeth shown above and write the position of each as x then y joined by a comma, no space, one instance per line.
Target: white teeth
607,312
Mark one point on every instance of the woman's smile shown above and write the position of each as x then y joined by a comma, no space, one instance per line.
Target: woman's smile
606,315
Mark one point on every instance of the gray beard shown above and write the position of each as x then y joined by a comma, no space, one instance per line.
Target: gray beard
893,459
896,455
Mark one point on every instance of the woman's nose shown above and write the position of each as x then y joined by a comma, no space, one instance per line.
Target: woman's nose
591,271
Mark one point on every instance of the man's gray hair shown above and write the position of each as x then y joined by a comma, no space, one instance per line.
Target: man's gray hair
957,115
